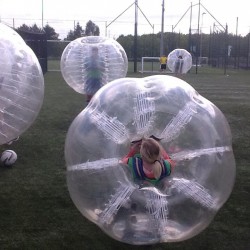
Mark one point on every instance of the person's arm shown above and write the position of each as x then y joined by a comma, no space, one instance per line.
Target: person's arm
172,164
165,156
134,149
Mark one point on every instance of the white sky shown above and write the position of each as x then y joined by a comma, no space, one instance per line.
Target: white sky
62,15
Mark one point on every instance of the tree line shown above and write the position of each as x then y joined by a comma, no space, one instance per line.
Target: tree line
216,45
91,29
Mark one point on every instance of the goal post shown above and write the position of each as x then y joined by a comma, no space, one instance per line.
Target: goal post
150,64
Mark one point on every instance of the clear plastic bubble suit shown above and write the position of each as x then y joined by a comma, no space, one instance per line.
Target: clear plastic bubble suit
21,85
179,61
193,131
88,63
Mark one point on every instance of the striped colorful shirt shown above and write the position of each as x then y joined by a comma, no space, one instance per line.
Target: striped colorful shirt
135,164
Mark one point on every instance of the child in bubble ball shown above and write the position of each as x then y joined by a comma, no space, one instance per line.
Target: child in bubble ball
178,65
94,74
148,161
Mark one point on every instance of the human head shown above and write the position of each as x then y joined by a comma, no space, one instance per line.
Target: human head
150,150
94,50
150,153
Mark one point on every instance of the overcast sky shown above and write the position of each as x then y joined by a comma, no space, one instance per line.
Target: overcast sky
62,15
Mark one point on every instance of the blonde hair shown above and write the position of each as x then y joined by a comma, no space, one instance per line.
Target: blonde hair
150,152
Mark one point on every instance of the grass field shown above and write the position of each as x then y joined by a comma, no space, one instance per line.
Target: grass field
36,211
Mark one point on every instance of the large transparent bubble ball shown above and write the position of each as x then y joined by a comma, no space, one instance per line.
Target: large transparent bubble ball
179,61
88,63
21,85
193,131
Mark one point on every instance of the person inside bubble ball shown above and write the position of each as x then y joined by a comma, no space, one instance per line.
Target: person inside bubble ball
94,74
178,65
148,161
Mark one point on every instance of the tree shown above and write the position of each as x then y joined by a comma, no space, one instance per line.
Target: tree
76,33
50,33
23,27
34,28
48,30
70,36
92,29
127,42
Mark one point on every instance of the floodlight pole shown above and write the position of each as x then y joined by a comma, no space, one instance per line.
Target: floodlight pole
226,51
162,29
248,48
201,34
236,65
135,32
42,14
135,36
190,29
198,28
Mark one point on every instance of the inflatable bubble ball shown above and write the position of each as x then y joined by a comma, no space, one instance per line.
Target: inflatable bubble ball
191,129
21,85
179,61
88,63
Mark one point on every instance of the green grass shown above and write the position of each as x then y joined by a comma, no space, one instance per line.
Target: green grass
36,211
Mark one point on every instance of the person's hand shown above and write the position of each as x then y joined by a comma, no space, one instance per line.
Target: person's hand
134,149
136,146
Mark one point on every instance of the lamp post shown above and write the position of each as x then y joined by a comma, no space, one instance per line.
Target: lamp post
42,14
135,36
201,35
162,29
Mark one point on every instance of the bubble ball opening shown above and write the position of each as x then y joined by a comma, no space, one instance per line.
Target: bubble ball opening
88,63
21,85
193,131
179,61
